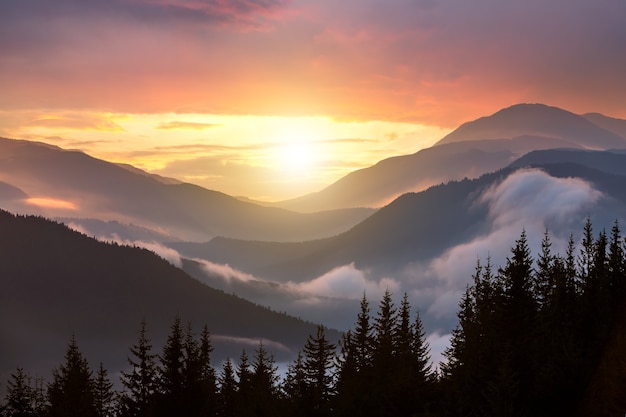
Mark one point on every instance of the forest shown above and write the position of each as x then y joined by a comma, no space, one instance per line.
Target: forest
542,335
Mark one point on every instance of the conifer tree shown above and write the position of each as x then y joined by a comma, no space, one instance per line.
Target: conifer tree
519,323
295,388
350,397
227,393
353,390
542,283
383,355
104,396
616,262
19,396
363,339
264,381
318,360
71,392
140,384
412,384
171,375
200,375
244,405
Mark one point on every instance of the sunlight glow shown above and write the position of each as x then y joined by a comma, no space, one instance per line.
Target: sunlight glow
51,203
262,157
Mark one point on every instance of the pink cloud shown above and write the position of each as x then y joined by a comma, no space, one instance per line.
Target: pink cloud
435,62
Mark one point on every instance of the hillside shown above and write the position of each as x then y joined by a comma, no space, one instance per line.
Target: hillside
85,187
57,282
537,120
475,148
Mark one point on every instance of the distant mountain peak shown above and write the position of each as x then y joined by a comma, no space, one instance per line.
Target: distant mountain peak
537,120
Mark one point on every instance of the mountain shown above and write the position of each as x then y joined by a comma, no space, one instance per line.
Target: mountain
57,282
610,162
537,120
9,192
475,148
612,124
424,243
73,184
414,227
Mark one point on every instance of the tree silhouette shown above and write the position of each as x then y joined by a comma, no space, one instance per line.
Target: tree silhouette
140,383
20,401
318,362
71,392
227,393
104,395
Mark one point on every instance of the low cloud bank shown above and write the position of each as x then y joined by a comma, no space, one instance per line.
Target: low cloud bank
529,200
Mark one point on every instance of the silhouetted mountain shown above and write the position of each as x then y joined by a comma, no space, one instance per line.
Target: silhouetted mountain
98,189
537,120
9,192
607,161
475,148
57,282
612,124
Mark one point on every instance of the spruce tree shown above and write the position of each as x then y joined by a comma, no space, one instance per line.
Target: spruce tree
383,356
518,325
104,396
244,406
140,384
295,388
264,381
318,361
227,392
19,396
616,263
199,374
413,391
171,376
71,392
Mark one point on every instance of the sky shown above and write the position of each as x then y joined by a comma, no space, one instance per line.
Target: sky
272,99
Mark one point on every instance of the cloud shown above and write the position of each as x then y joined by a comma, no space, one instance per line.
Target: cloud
250,342
76,122
438,343
179,125
528,199
346,282
225,271
203,12
441,63
51,203
169,254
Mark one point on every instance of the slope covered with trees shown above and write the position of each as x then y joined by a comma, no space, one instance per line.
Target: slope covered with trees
55,282
539,336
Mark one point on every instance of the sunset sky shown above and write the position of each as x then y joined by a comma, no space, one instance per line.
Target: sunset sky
272,99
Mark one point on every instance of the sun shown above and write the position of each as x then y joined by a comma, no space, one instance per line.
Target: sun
297,150
298,156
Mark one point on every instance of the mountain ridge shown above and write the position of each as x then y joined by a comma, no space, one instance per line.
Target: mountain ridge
474,148
57,282
96,188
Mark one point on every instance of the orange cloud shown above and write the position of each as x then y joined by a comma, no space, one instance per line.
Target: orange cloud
178,125
437,63
52,203
77,122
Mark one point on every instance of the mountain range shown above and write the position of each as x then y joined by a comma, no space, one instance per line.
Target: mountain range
81,186
477,147
415,224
